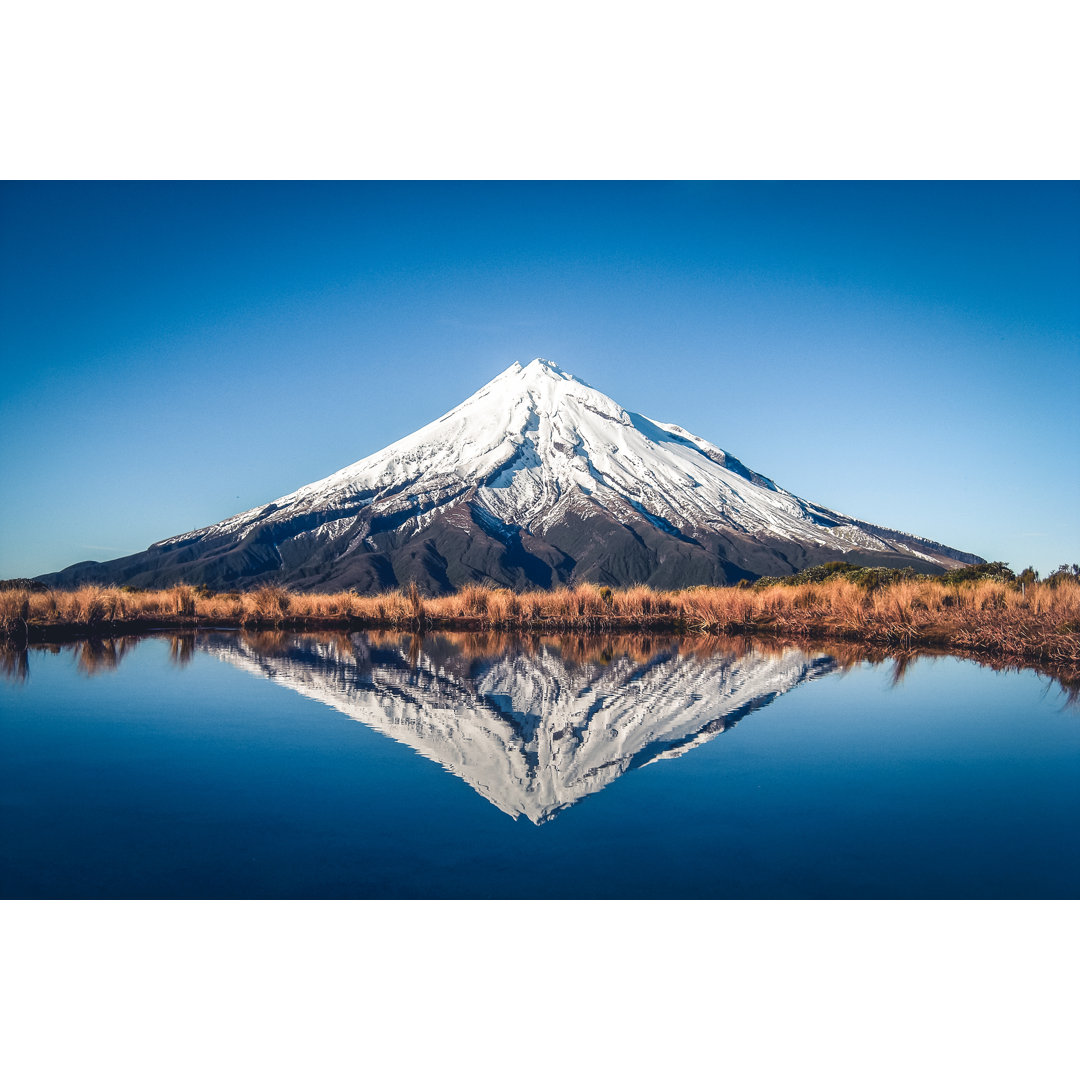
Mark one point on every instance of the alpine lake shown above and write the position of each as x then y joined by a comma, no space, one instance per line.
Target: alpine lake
229,764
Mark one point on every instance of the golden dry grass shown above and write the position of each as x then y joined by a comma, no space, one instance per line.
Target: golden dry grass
1042,621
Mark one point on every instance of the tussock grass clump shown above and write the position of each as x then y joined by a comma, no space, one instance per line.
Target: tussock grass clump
474,600
14,611
267,603
88,604
184,598
503,608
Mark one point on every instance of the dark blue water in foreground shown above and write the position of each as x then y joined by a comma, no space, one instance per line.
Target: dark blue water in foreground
285,765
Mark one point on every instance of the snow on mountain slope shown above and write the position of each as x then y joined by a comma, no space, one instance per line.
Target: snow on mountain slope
538,443
532,734
550,480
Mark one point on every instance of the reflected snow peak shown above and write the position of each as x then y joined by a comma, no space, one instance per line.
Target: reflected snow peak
534,725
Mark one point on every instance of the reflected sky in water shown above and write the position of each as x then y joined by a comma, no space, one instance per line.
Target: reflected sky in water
281,764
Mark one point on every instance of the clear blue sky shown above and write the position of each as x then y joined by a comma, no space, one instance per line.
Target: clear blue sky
175,353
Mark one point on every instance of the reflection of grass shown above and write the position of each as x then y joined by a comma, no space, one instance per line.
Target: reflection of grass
1040,622
96,656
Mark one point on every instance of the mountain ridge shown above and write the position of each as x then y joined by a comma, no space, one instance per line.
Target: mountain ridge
535,480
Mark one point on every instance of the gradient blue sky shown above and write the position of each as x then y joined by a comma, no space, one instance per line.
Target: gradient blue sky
174,353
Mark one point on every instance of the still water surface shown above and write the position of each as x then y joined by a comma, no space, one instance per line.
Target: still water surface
300,765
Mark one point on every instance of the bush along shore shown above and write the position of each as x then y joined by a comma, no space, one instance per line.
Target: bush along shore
984,609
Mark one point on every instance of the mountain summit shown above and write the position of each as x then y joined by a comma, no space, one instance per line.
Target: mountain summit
536,480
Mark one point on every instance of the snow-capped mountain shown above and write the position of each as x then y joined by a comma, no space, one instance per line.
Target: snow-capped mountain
532,734
535,480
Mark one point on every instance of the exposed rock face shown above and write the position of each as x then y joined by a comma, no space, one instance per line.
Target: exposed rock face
536,480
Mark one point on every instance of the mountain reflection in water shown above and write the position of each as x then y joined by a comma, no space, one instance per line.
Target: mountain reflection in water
534,725
157,766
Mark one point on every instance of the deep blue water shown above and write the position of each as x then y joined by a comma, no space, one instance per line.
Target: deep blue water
308,766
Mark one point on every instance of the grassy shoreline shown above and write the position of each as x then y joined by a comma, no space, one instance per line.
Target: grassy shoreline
1037,623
